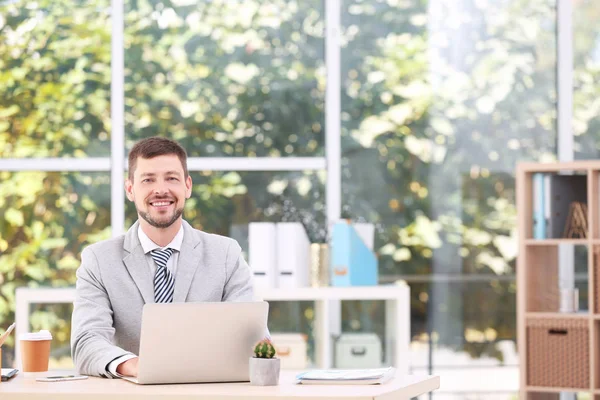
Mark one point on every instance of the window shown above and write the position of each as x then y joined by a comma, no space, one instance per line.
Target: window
440,99
586,70
54,79
225,202
227,78
49,217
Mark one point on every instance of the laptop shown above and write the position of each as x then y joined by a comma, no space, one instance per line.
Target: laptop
199,342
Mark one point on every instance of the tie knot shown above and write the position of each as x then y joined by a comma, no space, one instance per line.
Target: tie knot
161,257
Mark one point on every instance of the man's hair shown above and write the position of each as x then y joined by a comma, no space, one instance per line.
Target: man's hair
154,147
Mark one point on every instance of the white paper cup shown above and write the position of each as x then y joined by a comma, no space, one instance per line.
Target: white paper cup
35,351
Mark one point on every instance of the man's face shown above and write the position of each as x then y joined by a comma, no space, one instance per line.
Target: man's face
159,189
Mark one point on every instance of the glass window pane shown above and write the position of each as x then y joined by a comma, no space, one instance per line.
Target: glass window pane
225,202
461,322
227,78
469,321
440,99
365,317
57,319
294,317
49,217
471,326
55,78
586,75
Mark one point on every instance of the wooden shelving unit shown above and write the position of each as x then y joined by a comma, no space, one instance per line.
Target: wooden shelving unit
538,293
553,315
554,242
538,389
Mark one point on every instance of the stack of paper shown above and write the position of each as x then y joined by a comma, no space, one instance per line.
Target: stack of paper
346,376
293,255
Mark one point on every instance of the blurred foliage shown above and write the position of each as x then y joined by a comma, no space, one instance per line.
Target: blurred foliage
586,72
54,102
439,100
224,201
227,78
49,217
54,78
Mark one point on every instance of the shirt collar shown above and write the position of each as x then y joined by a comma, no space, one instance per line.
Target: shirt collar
148,245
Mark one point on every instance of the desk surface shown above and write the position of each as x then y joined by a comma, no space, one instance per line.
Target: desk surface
26,388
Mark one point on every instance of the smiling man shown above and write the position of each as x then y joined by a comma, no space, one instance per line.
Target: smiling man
161,259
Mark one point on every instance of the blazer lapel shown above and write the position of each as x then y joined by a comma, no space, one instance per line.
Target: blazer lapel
190,258
136,264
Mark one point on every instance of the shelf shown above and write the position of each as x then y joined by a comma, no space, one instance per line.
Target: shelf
556,242
327,321
555,315
381,292
581,166
546,192
554,389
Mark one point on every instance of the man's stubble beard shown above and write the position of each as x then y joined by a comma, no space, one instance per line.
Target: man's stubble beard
162,225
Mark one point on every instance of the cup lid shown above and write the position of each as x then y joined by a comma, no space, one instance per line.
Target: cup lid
41,335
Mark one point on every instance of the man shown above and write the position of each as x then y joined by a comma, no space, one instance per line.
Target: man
161,258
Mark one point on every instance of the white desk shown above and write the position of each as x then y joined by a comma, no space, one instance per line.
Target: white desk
26,388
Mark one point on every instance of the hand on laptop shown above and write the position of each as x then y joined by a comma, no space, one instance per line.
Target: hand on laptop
129,367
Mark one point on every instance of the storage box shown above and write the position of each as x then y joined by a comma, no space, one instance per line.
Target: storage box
558,353
358,350
291,349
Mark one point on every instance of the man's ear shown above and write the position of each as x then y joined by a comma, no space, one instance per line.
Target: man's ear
129,189
188,187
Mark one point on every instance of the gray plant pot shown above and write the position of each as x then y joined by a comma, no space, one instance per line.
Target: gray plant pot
264,371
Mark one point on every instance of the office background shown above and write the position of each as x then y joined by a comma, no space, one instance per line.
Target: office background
411,118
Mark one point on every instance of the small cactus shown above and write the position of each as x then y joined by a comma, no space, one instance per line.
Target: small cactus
264,349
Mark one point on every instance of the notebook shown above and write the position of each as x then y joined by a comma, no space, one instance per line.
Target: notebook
375,376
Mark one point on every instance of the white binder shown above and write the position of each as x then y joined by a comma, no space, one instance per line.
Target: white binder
263,257
293,255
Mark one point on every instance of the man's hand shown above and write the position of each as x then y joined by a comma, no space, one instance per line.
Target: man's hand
129,367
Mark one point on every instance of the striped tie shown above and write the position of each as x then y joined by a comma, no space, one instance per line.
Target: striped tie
163,279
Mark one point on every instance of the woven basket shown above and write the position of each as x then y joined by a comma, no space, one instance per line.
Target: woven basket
558,353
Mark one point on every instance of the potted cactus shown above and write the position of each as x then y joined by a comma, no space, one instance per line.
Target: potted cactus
264,366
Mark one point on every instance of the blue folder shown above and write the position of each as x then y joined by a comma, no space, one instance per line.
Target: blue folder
539,208
352,262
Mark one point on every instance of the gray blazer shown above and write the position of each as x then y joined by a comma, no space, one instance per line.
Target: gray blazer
114,282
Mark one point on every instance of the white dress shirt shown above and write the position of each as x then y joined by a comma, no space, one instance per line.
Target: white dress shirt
148,245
